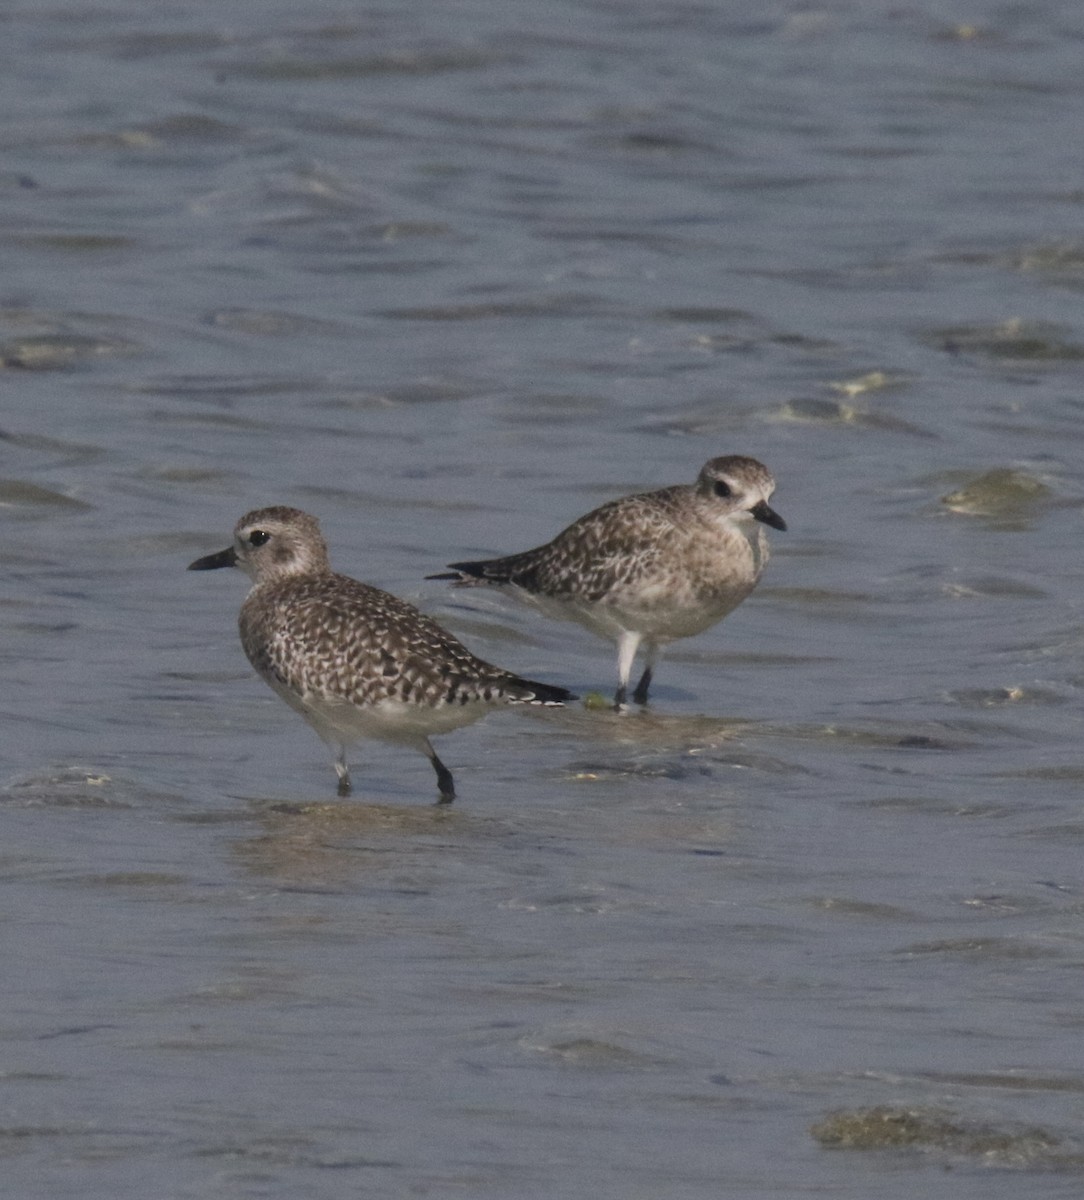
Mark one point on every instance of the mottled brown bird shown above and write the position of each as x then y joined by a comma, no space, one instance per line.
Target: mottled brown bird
356,662
649,568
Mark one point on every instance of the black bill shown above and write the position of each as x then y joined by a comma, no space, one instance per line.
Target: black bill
224,558
762,512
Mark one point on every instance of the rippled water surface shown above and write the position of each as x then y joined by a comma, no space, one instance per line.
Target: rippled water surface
448,275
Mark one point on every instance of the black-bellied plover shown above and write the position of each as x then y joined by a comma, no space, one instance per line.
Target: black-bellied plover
356,662
649,568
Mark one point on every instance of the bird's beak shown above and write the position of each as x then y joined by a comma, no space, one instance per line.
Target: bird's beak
762,512
224,558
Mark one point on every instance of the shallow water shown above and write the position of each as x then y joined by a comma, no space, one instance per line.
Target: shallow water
448,276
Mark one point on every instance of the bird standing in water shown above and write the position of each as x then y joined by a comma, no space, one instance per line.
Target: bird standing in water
356,662
649,568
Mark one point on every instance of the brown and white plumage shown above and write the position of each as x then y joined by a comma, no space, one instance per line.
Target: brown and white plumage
649,568
356,661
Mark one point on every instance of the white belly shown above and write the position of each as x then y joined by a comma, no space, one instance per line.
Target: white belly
342,723
658,611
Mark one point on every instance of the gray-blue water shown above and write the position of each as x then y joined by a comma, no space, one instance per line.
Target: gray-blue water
448,274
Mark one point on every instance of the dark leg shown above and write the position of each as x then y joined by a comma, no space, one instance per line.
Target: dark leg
620,697
650,655
640,695
445,783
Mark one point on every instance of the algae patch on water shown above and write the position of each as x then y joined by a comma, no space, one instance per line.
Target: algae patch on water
887,1128
1011,342
61,351
872,381
1003,493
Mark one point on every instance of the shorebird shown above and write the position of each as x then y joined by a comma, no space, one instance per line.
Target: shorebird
649,568
356,662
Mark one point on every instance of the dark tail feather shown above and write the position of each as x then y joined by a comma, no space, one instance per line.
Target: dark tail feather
543,693
470,572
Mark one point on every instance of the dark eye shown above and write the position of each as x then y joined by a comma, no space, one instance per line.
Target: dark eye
721,488
258,537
